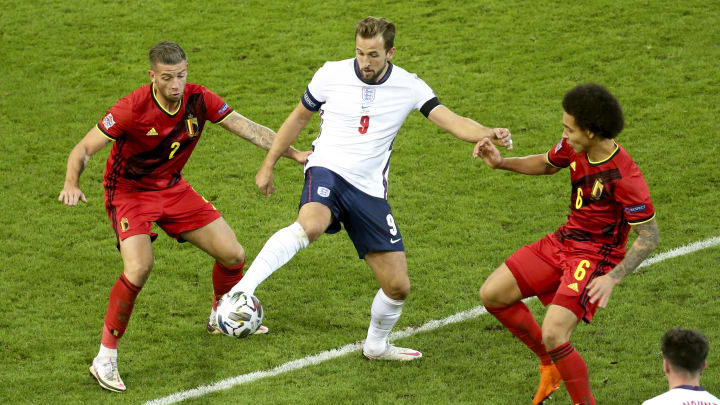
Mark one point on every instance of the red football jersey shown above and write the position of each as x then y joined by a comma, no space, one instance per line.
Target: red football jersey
607,197
152,144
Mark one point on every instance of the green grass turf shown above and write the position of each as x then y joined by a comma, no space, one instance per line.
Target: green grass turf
502,63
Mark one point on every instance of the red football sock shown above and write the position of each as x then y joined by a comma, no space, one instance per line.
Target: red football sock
574,373
224,278
120,306
518,319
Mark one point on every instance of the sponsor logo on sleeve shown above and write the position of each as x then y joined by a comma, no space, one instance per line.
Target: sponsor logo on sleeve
635,209
323,192
558,146
223,108
108,121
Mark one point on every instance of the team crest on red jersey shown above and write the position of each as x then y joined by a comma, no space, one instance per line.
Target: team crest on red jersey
192,126
124,224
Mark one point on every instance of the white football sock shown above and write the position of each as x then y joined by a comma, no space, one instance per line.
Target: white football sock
278,250
107,352
385,312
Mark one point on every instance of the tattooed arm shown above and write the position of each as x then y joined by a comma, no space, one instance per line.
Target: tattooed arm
648,238
257,134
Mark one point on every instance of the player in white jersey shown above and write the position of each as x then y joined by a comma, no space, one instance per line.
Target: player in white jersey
684,358
363,102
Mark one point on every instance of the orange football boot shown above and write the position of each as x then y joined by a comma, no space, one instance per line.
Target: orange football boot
549,382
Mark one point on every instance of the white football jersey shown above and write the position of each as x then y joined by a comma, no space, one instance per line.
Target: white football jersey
684,395
359,121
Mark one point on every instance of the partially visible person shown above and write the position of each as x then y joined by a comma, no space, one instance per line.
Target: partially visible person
574,269
155,129
684,359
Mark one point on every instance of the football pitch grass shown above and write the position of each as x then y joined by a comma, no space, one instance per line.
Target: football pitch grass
501,63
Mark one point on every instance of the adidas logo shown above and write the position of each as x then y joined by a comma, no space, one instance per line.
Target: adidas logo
151,132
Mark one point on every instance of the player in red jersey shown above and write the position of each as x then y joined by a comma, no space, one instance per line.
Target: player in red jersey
155,129
575,269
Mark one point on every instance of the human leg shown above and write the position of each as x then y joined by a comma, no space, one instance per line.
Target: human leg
557,327
219,241
137,258
313,219
502,296
526,273
390,269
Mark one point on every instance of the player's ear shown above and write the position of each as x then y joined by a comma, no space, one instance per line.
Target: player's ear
666,366
151,74
390,53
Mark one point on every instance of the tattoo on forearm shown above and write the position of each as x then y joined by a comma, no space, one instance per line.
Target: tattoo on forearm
648,238
253,132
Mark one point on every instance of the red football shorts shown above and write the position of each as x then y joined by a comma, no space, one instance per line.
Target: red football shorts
177,209
557,274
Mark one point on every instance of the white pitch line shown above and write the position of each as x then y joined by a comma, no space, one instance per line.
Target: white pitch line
682,250
347,349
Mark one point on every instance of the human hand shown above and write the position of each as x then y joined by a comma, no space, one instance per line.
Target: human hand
70,195
301,156
264,181
600,289
502,137
488,152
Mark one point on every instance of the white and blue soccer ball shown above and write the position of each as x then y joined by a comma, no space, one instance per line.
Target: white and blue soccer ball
239,314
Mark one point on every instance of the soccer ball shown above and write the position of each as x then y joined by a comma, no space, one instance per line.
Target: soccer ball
239,314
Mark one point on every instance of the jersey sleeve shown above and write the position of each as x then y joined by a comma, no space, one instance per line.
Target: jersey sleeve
217,108
633,194
559,155
314,96
425,98
117,120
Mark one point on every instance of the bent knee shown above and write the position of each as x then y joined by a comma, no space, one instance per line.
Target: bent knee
398,291
553,337
492,296
233,257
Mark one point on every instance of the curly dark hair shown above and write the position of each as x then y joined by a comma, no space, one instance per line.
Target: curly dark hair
685,348
594,109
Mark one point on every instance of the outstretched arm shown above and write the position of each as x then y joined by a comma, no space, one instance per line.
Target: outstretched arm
288,132
648,238
467,129
93,141
531,164
259,135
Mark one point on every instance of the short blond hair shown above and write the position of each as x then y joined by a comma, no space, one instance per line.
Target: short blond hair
370,27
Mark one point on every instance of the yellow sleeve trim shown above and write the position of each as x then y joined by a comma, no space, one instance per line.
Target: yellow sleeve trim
642,222
104,134
225,117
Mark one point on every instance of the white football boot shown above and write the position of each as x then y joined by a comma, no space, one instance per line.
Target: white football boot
105,370
394,353
214,329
